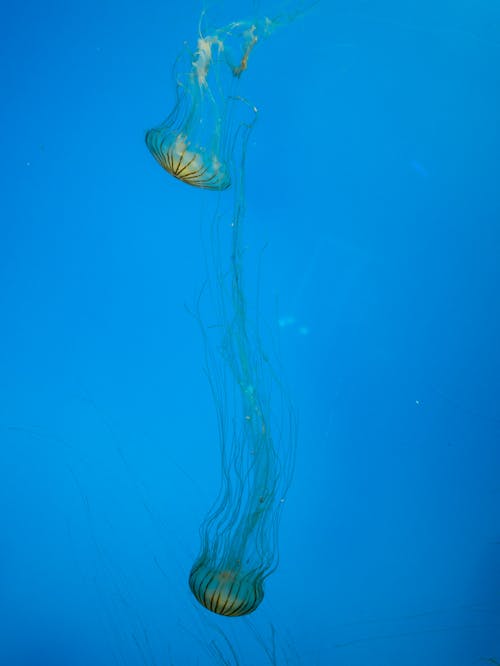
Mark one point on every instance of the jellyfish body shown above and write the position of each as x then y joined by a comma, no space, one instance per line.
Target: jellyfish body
190,144
203,143
194,144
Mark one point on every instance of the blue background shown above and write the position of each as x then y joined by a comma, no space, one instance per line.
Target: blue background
373,182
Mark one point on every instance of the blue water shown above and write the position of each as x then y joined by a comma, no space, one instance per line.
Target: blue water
373,185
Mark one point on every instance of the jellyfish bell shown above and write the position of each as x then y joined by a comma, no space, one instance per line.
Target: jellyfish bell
187,161
228,592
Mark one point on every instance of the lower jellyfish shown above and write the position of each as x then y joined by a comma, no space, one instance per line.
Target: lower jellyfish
203,143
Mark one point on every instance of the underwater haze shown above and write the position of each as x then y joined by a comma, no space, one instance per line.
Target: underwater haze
250,366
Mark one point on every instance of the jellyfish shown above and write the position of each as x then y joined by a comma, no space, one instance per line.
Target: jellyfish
203,143
194,143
